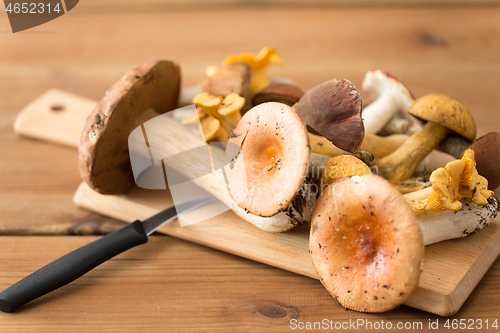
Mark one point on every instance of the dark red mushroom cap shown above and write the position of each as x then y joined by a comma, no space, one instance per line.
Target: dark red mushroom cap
333,109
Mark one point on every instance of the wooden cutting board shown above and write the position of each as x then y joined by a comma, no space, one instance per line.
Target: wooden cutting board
451,269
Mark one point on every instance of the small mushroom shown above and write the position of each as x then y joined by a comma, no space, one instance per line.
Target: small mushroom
333,109
212,129
103,155
286,93
209,104
389,96
366,244
258,65
342,166
230,107
273,158
233,78
449,185
443,113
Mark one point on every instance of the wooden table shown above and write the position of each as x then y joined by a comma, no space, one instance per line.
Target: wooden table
452,47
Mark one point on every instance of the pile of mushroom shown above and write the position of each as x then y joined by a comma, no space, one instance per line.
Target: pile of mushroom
313,157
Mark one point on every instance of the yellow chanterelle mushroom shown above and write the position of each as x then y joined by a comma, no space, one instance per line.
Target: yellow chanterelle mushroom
456,180
258,64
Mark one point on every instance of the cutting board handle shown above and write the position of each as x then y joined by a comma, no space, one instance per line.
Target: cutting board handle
56,116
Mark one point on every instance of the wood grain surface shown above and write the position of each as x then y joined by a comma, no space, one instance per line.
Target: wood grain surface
172,285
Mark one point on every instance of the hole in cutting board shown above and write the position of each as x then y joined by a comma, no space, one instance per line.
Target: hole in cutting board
57,107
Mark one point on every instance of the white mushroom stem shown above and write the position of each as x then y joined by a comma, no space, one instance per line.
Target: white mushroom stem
457,224
167,137
388,95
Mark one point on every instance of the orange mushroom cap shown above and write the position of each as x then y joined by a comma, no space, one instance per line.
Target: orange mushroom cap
272,162
366,244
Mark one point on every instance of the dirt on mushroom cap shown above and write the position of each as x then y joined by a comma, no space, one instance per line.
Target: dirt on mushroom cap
366,244
273,159
103,155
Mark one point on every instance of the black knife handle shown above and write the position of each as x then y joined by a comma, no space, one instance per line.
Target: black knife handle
71,266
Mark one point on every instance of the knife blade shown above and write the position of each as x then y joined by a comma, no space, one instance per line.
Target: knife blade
80,261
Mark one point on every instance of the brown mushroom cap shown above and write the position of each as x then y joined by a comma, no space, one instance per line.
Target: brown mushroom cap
445,111
487,154
272,161
285,93
333,109
366,244
229,79
103,155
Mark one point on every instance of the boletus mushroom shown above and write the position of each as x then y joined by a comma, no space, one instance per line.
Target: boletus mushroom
141,94
286,93
333,109
443,114
366,244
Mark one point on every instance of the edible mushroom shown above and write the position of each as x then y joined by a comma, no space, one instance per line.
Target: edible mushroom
366,244
333,109
286,93
273,158
258,65
487,154
342,166
103,155
233,78
389,96
442,113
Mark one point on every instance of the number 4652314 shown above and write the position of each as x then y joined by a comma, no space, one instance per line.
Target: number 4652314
31,8
470,324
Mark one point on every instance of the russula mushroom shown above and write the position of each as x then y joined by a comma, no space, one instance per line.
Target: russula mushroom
167,138
333,109
443,114
103,155
258,65
286,93
366,244
388,95
273,158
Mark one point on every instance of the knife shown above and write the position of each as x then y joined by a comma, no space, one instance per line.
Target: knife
78,262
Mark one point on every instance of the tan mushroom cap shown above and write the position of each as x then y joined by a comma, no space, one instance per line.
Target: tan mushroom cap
271,165
445,111
103,155
366,244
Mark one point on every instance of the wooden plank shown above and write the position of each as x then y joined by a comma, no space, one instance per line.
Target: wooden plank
446,282
169,285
